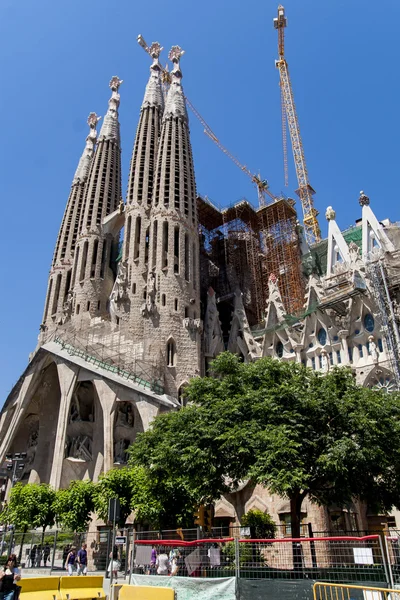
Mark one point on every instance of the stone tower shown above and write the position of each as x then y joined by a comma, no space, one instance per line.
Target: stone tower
171,307
59,298
96,250
139,196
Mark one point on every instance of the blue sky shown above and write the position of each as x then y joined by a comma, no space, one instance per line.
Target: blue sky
56,59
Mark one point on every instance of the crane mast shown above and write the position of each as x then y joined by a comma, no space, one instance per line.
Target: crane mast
305,191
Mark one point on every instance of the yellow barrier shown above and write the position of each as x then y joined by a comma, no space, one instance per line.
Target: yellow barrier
80,588
336,591
40,588
145,592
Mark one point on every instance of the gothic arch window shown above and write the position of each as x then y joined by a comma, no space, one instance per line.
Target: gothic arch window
171,353
279,349
369,322
322,336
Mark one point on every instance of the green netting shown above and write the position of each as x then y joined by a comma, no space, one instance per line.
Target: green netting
196,588
288,321
315,261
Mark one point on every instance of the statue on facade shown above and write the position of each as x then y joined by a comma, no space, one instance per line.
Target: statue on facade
373,350
324,361
79,448
120,451
119,290
124,415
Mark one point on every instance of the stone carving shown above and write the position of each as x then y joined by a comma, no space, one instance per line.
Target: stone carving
120,451
151,292
118,292
124,416
193,324
373,350
79,448
175,54
74,413
240,335
33,440
213,339
67,307
324,361
354,253
396,309
155,50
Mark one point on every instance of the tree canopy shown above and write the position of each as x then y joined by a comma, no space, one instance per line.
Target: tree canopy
73,506
30,506
292,429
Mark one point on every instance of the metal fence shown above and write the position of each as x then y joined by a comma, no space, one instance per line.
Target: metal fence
351,559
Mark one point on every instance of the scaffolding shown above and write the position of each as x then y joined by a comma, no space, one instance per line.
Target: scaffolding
377,272
241,246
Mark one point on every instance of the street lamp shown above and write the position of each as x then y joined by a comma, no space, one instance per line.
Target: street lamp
15,464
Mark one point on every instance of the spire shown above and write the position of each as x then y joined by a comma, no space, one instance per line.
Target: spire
110,127
81,173
153,95
175,105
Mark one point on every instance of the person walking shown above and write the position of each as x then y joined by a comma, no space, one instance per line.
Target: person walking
114,564
82,560
32,555
46,554
162,563
9,575
70,563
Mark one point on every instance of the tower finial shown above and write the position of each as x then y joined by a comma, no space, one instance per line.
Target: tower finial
363,199
175,55
110,127
82,171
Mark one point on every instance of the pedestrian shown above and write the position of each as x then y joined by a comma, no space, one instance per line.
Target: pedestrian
46,554
39,555
33,555
114,565
9,575
82,560
153,561
17,575
162,563
70,563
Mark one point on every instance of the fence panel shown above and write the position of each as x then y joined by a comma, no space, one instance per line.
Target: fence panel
327,559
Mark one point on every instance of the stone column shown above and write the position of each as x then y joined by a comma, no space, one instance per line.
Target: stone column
67,375
344,352
107,396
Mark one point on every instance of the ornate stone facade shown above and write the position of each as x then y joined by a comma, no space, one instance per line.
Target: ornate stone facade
126,327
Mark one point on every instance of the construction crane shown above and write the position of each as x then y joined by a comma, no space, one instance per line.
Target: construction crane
261,184
305,191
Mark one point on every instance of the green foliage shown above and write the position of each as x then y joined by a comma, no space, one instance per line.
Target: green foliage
249,555
261,524
31,506
292,429
74,505
131,486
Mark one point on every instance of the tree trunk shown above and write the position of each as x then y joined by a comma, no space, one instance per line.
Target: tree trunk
22,545
295,517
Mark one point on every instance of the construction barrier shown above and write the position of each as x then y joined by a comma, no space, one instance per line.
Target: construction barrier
345,559
62,588
145,592
334,591
40,588
82,588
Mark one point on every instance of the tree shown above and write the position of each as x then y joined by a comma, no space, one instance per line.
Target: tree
74,505
292,429
131,486
30,506
261,524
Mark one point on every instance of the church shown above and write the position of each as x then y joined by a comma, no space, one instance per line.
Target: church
145,291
